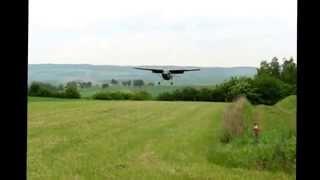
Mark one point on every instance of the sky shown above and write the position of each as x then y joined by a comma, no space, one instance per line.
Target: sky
200,33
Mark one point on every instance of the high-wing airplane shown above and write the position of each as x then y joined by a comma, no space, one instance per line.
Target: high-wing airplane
167,74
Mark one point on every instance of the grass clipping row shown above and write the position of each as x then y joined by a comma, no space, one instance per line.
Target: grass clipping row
276,149
236,118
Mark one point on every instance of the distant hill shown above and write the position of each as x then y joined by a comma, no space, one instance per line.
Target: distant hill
61,73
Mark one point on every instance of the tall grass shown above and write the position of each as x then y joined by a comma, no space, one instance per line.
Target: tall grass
235,119
275,149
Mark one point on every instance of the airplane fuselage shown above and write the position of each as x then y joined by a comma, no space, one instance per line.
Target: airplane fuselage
166,75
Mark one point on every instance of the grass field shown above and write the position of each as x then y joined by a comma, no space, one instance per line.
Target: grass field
88,139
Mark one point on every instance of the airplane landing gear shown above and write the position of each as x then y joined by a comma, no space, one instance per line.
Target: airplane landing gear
171,83
159,83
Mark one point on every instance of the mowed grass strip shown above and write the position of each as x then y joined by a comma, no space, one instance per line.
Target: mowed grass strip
86,139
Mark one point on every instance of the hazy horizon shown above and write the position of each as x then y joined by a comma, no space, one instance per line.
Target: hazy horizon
199,33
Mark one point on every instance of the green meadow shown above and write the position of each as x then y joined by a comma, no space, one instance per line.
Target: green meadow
91,139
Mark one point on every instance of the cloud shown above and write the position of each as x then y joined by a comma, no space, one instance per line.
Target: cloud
145,32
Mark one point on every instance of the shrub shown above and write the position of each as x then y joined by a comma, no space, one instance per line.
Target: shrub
138,83
47,90
102,96
278,151
285,152
185,94
42,89
108,96
118,95
189,94
141,95
218,94
204,94
268,90
105,85
34,89
71,92
166,96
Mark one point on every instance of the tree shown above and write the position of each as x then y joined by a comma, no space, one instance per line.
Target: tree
272,83
165,96
138,82
204,94
189,93
42,89
141,95
85,84
34,89
289,72
71,92
60,87
114,82
241,88
126,83
264,69
224,89
275,67
72,84
268,90
105,85
218,94
89,84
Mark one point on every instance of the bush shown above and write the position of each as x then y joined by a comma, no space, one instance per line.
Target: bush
166,96
224,92
138,83
204,94
118,95
189,94
268,90
71,92
105,85
218,94
263,89
277,153
34,89
141,95
47,90
185,94
102,96
109,96
42,89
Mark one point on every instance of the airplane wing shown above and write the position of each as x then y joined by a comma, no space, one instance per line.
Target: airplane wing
181,71
151,69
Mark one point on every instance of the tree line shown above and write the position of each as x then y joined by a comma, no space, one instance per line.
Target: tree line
41,89
272,82
70,90
135,83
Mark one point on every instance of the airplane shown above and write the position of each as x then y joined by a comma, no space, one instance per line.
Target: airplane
167,74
